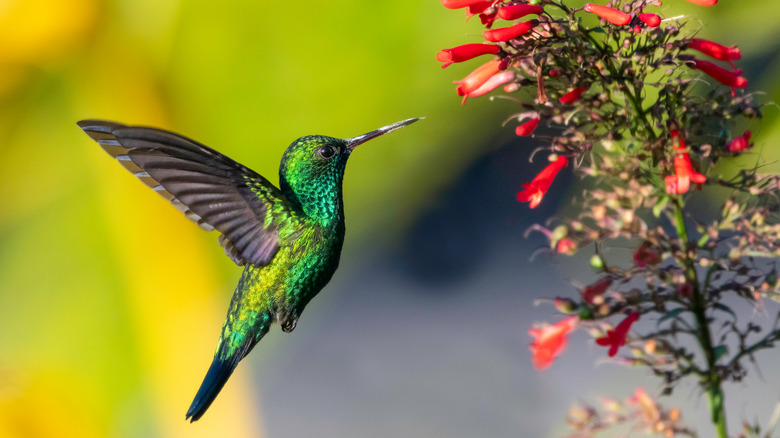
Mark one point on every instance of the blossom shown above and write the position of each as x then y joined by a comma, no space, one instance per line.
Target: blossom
652,20
477,8
646,254
550,341
457,4
514,12
616,338
704,2
683,169
478,77
491,84
511,32
536,189
726,77
465,52
739,144
573,95
610,14
715,50
554,73
527,128
566,245
596,289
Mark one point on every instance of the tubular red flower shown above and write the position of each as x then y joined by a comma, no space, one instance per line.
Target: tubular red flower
715,50
477,8
514,12
704,2
596,289
457,4
680,182
491,84
616,338
573,95
478,77
536,189
511,32
610,14
652,20
465,52
726,77
550,341
528,127
740,143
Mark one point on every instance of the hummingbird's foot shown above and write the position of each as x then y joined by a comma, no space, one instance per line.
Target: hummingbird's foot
289,323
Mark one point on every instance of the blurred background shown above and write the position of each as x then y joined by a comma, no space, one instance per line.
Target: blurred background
111,301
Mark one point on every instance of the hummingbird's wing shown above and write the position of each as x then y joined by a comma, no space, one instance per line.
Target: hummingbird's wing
214,191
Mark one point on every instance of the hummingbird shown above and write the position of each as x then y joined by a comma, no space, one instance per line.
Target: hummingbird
288,239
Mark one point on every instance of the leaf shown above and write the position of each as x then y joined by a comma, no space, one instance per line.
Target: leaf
659,206
672,314
725,308
721,351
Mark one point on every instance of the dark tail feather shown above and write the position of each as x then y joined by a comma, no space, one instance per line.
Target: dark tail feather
218,374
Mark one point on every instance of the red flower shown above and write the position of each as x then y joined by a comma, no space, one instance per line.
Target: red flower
596,289
685,290
715,50
514,12
478,77
477,8
457,4
739,144
617,338
610,14
651,20
683,169
491,84
573,95
704,2
465,52
527,128
535,190
511,32
549,341
646,254
554,73
566,246
726,77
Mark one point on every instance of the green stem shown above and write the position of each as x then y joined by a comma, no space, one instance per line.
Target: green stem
711,378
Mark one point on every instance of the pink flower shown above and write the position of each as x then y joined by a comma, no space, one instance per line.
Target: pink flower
514,12
610,14
739,144
465,52
616,338
652,20
478,77
573,95
680,182
536,189
491,84
550,341
528,127
511,32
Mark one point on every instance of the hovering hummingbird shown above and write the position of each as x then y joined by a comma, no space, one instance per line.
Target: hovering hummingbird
288,239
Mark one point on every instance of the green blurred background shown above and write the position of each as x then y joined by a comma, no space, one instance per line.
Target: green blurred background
111,301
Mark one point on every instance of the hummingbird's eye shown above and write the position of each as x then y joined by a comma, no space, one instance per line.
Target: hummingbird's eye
326,151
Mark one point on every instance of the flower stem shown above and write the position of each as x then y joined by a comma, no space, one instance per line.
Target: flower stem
710,378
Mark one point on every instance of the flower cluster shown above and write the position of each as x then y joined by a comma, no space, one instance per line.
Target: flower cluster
635,108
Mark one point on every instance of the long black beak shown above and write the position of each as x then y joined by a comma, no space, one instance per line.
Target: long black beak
353,142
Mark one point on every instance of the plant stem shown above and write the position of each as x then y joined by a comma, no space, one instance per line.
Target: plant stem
711,378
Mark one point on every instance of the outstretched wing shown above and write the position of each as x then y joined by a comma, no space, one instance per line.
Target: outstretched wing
214,191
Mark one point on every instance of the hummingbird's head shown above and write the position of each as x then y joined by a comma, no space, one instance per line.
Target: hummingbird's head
312,169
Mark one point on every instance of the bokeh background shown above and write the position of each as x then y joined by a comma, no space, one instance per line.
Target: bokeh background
111,301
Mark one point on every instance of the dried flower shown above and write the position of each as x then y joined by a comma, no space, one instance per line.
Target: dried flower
573,95
528,127
511,32
610,14
616,338
513,12
550,341
465,52
536,189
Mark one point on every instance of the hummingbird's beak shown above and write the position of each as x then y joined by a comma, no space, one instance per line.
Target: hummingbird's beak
353,142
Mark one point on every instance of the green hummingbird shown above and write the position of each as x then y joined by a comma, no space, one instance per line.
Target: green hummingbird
288,239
